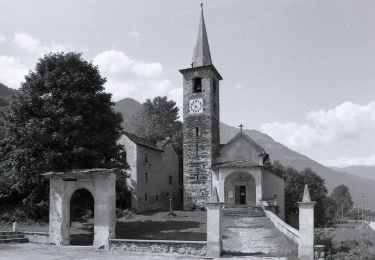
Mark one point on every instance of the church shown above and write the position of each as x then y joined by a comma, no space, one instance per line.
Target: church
234,171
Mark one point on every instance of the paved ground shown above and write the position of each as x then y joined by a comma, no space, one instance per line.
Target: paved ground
48,252
254,235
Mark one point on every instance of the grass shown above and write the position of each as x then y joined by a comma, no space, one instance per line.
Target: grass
187,225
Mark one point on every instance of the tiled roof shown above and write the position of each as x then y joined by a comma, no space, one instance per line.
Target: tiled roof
144,142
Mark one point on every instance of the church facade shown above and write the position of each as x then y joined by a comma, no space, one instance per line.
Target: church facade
235,171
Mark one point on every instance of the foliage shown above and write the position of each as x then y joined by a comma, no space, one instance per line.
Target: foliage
60,119
342,198
157,120
320,238
294,186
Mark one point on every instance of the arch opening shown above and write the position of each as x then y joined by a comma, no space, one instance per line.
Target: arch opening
239,189
81,219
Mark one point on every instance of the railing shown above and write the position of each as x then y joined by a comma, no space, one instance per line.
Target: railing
283,227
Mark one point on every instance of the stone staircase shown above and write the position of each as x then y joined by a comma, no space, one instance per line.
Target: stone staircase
12,237
248,232
247,211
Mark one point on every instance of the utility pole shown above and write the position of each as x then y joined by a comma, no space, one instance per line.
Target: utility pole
363,203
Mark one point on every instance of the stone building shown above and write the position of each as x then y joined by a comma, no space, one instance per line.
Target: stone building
153,174
235,169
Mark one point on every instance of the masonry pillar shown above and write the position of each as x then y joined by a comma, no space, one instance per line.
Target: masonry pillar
259,187
214,226
306,227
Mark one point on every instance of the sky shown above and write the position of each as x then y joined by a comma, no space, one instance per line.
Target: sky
301,71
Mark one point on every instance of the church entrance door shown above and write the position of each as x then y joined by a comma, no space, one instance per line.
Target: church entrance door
240,195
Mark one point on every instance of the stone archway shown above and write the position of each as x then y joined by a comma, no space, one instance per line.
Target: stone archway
101,183
239,189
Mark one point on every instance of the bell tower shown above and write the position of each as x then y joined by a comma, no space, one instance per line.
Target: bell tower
201,130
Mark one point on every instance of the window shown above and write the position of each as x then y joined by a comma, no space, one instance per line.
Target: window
167,195
146,176
196,140
157,198
146,197
146,158
197,85
170,180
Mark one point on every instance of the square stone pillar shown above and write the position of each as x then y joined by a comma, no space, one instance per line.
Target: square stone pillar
306,227
105,210
214,229
58,228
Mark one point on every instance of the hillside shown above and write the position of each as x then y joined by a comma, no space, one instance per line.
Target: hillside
285,156
361,171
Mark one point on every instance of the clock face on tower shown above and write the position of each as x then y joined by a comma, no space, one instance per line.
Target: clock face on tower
195,106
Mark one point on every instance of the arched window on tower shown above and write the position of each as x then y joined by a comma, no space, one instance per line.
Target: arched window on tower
197,85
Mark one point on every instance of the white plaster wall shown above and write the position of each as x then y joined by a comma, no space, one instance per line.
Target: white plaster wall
274,185
131,159
159,166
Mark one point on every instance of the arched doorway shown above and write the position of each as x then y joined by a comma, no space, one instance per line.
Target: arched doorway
239,189
82,218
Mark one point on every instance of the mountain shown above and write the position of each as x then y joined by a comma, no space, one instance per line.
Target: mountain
127,107
367,172
285,156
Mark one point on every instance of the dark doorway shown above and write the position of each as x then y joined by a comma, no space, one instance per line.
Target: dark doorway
240,193
81,218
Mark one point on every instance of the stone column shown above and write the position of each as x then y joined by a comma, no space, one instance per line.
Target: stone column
58,230
105,210
214,229
259,187
306,227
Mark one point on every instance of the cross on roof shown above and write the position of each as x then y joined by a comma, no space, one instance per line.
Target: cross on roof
241,126
202,4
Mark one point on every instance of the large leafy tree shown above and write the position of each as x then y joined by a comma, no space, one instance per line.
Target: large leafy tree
60,119
342,198
158,119
294,186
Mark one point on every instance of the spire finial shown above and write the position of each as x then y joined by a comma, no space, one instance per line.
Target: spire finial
306,194
241,126
201,55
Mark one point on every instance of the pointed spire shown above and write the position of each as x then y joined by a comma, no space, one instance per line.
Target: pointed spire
201,55
306,194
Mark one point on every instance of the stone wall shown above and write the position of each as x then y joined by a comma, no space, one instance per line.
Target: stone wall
198,162
274,185
160,246
37,237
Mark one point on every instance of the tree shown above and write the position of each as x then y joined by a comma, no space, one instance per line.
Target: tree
342,198
158,120
294,186
60,119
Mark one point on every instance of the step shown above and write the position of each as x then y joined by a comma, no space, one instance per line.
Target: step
12,236
244,211
14,240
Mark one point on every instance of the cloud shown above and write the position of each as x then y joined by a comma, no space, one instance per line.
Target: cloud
344,161
31,44
12,71
134,34
345,121
238,86
2,38
127,77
